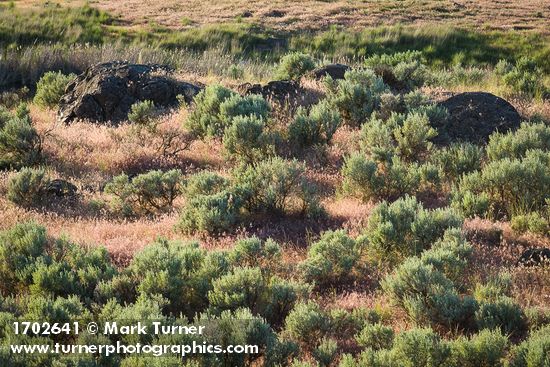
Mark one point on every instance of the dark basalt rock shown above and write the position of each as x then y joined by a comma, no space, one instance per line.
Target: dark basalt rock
61,188
279,90
535,257
335,71
474,116
106,92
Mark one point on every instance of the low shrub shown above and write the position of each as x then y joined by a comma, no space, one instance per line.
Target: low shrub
28,187
502,313
294,66
173,270
143,115
390,179
508,186
21,247
241,288
51,87
449,254
325,352
214,213
457,159
485,349
419,347
247,140
44,267
332,259
532,222
515,144
248,106
149,193
203,183
403,69
316,127
375,336
205,119
20,144
253,252
427,295
357,95
277,186
306,322
523,77
404,228
534,351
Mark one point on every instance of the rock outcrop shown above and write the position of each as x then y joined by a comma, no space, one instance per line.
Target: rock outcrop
106,92
473,116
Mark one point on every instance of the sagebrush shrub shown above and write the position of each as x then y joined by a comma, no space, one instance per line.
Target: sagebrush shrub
485,349
356,96
294,66
277,186
172,269
372,180
253,252
515,144
306,322
242,327
51,87
21,247
375,336
33,263
203,183
247,140
343,322
28,187
413,136
457,159
251,105
534,351
326,352
405,69
242,288
503,313
427,295
532,222
149,193
20,144
419,347
405,228
316,127
493,288
510,186
524,78
332,259
205,119
143,114
215,213
449,255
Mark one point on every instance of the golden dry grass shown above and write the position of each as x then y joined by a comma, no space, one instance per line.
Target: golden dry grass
289,15
315,14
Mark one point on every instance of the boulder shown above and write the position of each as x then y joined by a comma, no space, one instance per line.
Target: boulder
61,188
535,257
474,116
335,71
278,90
106,92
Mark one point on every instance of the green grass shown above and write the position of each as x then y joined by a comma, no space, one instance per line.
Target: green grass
52,23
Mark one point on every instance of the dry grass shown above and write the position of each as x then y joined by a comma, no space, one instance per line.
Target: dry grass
315,14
